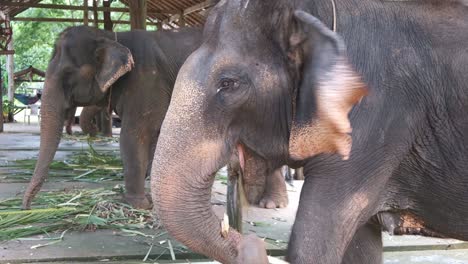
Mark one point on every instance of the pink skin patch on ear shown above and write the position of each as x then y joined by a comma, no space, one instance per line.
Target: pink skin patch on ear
336,94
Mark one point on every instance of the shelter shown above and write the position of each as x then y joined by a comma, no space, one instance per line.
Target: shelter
28,74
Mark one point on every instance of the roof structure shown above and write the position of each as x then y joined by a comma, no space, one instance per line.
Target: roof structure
27,75
193,12
14,10
173,13
163,13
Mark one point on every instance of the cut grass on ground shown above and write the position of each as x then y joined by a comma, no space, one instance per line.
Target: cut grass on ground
86,165
77,209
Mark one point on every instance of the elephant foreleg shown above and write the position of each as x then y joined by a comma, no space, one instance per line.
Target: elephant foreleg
135,144
105,122
70,120
335,202
366,246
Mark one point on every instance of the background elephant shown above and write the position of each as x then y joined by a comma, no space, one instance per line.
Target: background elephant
135,71
285,87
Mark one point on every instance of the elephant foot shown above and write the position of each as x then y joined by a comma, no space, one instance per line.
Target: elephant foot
276,194
274,201
69,130
139,202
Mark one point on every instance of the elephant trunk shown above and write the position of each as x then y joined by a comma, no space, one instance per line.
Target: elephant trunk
184,167
53,116
87,116
182,190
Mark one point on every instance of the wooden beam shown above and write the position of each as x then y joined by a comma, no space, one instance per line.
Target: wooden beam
107,16
70,7
182,20
7,52
62,7
192,9
95,14
85,12
28,70
71,20
138,14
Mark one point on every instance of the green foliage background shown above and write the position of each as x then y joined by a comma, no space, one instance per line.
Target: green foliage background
34,41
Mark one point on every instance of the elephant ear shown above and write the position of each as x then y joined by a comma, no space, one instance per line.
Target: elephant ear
113,61
327,90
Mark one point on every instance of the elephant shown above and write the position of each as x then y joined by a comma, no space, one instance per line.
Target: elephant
132,71
90,123
366,95
69,120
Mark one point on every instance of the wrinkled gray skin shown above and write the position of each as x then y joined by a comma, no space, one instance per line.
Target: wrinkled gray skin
284,87
140,66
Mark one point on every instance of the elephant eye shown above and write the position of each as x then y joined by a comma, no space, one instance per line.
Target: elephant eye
227,84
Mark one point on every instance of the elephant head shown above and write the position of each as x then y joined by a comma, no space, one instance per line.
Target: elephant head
84,64
279,86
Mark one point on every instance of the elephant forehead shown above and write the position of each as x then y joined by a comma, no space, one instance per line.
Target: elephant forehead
87,71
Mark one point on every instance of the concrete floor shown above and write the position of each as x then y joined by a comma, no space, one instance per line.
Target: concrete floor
22,141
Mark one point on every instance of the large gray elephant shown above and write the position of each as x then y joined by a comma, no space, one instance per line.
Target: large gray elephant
135,71
285,88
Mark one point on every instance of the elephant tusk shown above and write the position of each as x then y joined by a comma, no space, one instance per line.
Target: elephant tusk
240,150
225,226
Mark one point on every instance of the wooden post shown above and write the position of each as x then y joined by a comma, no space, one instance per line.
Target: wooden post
182,19
1,101
108,25
95,14
105,124
11,81
85,12
138,14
